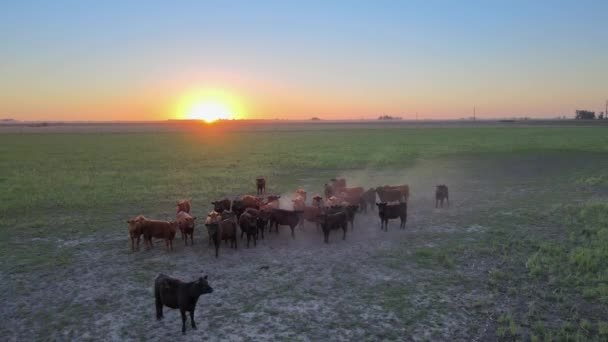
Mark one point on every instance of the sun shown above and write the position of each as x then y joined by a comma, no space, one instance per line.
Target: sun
209,105
209,111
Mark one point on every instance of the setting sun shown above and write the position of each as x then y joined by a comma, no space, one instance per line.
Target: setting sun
209,105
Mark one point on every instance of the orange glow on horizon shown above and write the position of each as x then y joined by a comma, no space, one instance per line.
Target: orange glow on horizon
209,105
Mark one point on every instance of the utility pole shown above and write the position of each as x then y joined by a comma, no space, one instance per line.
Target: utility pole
474,116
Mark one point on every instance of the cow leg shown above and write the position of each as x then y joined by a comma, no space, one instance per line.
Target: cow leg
192,319
242,232
159,306
293,233
447,200
132,244
344,234
235,242
248,238
326,234
138,242
255,239
183,312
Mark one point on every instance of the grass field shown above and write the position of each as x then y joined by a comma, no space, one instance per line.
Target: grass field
520,254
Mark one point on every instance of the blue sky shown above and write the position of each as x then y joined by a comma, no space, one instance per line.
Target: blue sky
78,60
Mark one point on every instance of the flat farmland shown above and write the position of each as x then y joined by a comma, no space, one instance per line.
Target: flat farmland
519,254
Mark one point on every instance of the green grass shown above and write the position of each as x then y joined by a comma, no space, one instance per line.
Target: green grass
55,188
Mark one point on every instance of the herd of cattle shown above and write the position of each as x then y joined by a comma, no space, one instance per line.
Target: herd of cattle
256,214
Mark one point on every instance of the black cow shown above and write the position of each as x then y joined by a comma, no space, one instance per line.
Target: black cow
441,194
248,223
221,205
282,217
392,211
334,221
176,294
214,235
350,211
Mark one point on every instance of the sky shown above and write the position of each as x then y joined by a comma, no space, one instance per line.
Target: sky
155,60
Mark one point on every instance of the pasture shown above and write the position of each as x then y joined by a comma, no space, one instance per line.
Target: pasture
520,253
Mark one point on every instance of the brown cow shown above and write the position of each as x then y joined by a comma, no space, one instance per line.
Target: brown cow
213,218
338,183
186,226
317,201
159,230
301,193
221,205
299,203
260,183
441,194
135,230
228,232
311,214
213,229
403,189
184,206
282,217
368,199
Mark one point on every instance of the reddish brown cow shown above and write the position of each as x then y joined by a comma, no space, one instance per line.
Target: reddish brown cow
368,199
338,183
228,231
317,201
281,217
184,206
159,230
301,193
311,214
403,189
135,230
186,226
299,203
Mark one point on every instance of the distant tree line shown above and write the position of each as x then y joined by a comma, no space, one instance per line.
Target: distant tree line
589,115
388,117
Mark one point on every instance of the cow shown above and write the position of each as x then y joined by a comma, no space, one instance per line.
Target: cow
260,184
159,230
387,212
388,195
221,205
311,214
186,226
403,189
299,203
368,199
272,201
328,190
301,193
212,222
213,229
333,201
248,224
177,294
135,230
334,221
241,203
441,194
317,201
227,232
349,209
184,206
282,217
338,184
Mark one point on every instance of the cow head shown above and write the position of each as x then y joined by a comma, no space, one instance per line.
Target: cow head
201,286
381,206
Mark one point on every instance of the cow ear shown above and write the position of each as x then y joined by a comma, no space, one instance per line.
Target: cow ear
205,277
